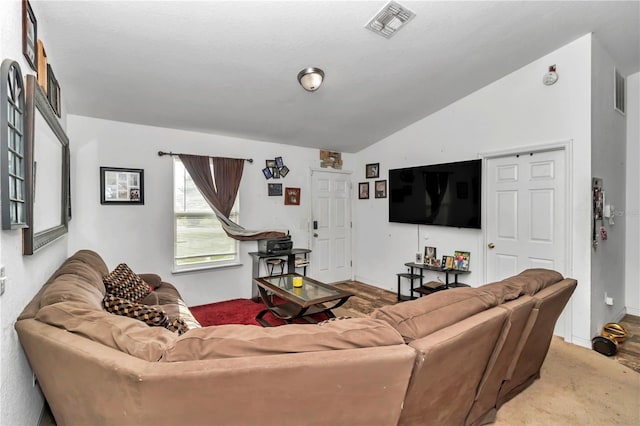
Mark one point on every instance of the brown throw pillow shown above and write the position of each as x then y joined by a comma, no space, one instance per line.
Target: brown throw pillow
152,316
123,282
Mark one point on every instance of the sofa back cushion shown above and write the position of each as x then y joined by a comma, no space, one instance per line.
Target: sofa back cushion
230,341
418,318
72,288
124,334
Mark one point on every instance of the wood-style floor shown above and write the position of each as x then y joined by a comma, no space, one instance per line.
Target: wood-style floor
367,298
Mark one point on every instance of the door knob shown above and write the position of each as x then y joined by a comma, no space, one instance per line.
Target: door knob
315,235
491,245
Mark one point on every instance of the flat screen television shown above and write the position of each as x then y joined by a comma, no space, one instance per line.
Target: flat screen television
438,194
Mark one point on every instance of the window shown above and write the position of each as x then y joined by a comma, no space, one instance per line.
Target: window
199,240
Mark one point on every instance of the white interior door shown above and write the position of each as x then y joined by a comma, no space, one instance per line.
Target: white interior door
331,226
526,210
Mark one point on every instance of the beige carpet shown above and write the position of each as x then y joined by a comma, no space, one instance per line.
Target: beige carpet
577,386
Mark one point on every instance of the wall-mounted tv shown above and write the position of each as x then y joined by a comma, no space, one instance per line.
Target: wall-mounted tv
438,194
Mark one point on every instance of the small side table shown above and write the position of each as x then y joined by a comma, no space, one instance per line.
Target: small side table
411,277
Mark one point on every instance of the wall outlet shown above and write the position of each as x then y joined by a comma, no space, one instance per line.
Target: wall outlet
608,300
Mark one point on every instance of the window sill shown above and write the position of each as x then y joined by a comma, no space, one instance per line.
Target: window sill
204,268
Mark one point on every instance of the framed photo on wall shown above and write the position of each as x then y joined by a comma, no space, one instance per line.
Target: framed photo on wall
292,196
363,190
29,35
372,170
381,189
121,186
274,189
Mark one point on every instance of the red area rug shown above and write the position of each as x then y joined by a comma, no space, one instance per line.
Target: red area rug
238,311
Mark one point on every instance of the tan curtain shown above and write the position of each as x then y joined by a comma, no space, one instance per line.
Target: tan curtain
220,190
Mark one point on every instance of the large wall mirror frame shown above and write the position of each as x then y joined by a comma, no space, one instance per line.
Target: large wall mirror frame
47,174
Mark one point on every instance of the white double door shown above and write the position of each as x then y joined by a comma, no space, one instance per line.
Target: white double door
330,226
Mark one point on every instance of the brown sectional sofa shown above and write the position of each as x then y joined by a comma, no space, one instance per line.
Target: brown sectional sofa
452,357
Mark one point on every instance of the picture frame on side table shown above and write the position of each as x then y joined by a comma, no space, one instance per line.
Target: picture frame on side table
430,256
461,260
29,35
121,186
363,190
292,196
447,262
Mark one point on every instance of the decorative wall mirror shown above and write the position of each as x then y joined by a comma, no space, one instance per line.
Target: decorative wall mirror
47,174
12,147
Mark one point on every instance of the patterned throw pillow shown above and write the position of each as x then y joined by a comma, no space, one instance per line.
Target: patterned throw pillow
330,320
123,282
147,314
150,315
177,325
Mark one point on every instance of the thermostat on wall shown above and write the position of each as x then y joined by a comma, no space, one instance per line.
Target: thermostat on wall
551,77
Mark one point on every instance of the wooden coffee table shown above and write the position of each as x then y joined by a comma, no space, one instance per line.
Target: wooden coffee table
300,302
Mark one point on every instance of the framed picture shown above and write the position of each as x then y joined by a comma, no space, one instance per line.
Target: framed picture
29,35
381,189
274,189
461,260
363,190
53,91
283,171
292,196
447,262
121,186
42,66
267,173
270,163
279,162
372,170
430,257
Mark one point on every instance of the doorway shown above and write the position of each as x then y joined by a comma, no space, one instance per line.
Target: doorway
330,226
526,216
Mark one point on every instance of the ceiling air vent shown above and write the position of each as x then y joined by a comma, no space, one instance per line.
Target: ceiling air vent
390,19
619,92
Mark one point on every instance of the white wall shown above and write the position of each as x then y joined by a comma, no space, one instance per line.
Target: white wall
632,212
608,143
21,402
142,236
517,110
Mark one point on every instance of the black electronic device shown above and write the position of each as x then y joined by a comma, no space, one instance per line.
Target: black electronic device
439,194
275,245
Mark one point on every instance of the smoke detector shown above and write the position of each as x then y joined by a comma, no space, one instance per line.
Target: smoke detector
390,19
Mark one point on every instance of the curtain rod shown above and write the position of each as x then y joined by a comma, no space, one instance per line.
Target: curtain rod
161,153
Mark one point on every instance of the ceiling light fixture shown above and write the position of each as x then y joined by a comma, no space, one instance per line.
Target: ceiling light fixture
311,78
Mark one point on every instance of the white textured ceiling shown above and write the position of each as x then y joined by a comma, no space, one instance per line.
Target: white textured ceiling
230,67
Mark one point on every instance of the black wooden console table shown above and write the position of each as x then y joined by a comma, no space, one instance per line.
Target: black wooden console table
417,271
291,265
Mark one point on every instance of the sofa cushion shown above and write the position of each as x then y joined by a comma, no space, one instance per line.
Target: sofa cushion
72,288
504,290
230,341
83,271
537,279
121,333
418,318
123,282
93,259
152,316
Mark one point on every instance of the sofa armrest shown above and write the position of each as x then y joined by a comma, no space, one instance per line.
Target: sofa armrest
153,280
